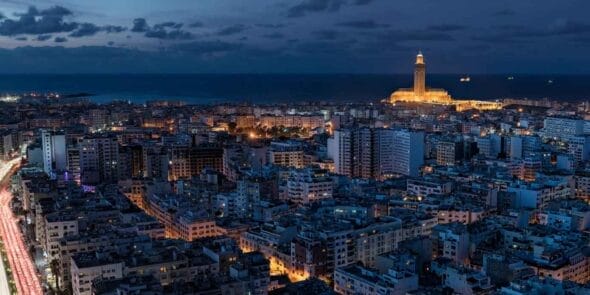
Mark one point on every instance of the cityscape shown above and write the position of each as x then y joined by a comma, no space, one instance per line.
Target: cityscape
139,189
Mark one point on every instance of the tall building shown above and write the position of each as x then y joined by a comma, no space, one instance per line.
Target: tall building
420,93
490,146
131,161
376,152
354,153
73,167
420,76
523,146
408,152
99,159
340,150
54,151
449,152
98,118
400,152
189,161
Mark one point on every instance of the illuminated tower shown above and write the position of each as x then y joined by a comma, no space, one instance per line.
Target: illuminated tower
420,76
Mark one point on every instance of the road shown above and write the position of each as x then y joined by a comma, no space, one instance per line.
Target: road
23,270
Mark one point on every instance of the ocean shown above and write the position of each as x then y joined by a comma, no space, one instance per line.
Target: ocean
273,88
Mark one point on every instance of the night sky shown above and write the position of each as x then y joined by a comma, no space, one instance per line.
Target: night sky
294,36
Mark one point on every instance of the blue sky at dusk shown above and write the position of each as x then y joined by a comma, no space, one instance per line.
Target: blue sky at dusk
294,36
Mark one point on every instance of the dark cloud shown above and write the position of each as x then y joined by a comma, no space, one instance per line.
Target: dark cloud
113,29
308,6
50,20
37,22
275,35
43,37
163,31
169,35
447,28
326,34
139,25
21,38
85,30
231,30
110,43
362,24
362,2
196,25
60,39
164,25
89,29
55,11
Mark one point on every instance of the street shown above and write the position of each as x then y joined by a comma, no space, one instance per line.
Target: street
25,275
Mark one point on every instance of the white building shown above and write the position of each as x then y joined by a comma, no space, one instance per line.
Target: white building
428,186
562,128
490,146
54,152
357,280
340,150
450,241
308,185
376,152
86,267
522,146
400,152
232,204
56,227
536,195
463,280
579,148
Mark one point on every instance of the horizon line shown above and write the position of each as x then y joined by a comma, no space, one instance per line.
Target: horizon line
293,73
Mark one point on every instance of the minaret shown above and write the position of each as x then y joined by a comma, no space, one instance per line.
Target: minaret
420,76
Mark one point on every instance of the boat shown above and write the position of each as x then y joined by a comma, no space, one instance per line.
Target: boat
465,79
511,78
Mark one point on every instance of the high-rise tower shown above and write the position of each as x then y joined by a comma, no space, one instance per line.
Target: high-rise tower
420,94
420,76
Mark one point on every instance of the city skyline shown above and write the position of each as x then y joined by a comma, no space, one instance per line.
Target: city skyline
294,147
303,36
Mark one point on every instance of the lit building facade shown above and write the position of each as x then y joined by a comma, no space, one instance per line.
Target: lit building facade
420,93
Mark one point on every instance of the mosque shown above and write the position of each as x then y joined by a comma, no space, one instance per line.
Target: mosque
422,94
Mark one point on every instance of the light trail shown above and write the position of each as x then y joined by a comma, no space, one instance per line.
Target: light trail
25,275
